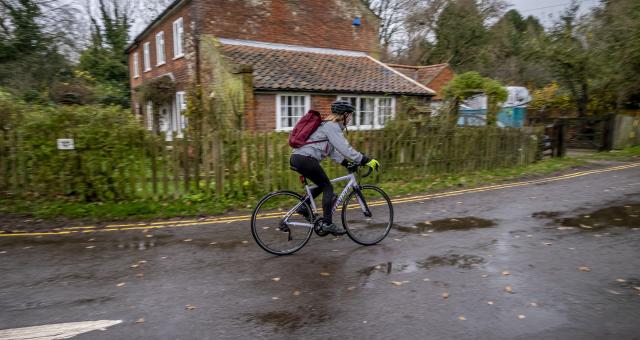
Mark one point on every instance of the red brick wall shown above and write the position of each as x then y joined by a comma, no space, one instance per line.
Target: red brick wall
265,112
440,81
315,23
322,103
178,67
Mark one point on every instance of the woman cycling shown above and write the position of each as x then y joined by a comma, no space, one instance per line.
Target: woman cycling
328,140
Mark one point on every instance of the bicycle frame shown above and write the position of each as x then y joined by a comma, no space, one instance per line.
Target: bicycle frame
352,184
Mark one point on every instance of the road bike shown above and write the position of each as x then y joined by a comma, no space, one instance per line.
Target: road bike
283,221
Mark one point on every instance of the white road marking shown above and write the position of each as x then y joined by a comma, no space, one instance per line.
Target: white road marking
56,331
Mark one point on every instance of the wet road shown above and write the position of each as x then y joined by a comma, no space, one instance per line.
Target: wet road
553,259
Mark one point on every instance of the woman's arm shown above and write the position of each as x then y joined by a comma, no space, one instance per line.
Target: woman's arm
340,144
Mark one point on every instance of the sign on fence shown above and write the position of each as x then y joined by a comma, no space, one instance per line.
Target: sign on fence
66,144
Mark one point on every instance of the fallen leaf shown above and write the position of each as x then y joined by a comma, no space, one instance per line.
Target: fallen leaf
365,321
29,247
163,257
149,236
636,288
90,247
296,293
508,289
213,243
91,239
245,242
445,295
121,284
399,283
324,274
533,304
265,228
547,243
335,250
517,236
427,222
397,239
529,236
587,216
139,275
142,262
521,316
572,248
141,320
454,220
613,292
3,252
621,280
134,266
275,298
190,307
490,302
351,288
276,279
505,273
462,318
584,269
426,280
585,226
188,240
424,234
565,228
485,275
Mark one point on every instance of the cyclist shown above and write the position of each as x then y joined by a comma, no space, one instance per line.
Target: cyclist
328,140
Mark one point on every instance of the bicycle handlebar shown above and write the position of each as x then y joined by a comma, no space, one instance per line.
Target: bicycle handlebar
353,167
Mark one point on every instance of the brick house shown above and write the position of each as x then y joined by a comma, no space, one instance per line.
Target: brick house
435,77
282,57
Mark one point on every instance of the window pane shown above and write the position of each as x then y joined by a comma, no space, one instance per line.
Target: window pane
367,106
385,110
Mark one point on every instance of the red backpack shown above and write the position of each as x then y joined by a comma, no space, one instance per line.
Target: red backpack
305,127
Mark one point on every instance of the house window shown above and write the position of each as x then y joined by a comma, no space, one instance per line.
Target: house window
178,36
147,56
371,112
181,106
160,49
136,65
149,111
289,109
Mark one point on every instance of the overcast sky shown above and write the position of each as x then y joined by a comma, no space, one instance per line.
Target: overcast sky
548,10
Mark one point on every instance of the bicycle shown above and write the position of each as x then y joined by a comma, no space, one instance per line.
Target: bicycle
283,221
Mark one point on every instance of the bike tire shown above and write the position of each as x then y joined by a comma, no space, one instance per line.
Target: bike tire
371,231
265,224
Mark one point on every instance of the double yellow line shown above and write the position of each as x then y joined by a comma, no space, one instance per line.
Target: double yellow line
242,218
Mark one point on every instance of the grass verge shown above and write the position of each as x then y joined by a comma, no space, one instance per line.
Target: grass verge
13,211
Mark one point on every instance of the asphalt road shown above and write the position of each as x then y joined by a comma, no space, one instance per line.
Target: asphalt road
552,259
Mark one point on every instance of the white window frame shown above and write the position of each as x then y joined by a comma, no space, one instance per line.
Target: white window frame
149,114
161,57
307,107
178,38
136,65
180,107
376,111
147,56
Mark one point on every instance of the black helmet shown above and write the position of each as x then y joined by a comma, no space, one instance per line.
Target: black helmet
341,107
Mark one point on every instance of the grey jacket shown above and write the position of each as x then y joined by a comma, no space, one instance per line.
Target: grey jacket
337,147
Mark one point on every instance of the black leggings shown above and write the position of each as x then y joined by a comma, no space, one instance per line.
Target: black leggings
310,168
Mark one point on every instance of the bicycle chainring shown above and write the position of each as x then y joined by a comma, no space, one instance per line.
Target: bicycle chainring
318,229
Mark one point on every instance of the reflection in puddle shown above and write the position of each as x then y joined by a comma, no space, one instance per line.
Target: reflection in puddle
465,223
618,216
288,321
460,261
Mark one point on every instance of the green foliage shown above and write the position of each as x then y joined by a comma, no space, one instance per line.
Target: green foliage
105,63
108,147
469,84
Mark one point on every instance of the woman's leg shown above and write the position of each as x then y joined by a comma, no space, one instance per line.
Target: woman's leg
310,168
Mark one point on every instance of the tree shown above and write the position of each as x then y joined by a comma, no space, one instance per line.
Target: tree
105,63
469,84
30,58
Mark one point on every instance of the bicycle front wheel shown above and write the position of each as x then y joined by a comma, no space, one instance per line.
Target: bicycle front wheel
279,225
367,215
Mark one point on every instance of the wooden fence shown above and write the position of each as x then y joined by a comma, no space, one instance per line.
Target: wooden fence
249,164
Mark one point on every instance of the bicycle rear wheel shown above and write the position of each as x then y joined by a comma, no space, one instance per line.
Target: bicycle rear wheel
276,227
367,215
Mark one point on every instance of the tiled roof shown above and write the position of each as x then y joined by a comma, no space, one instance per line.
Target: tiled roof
422,74
280,69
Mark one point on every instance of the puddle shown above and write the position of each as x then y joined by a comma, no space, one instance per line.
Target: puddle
454,260
289,321
616,216
546,214
464,223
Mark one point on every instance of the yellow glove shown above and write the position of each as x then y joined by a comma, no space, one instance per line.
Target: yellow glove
373,164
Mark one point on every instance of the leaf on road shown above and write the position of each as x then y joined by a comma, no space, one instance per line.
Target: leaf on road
120,285
529,236
505,273
397,239
462,318
325,274
141,320
91,240
547,243
585,226
613,292
445,295
3,252
399,283
90,247
426,279
565,228
621,280
296,293
584,269
490,303
275,298
533,304
424,235
187,240
427,222
521,317
275,279
139,275
351,288
134,266
213,243
636,288
189,307
245,242
485,275
508,289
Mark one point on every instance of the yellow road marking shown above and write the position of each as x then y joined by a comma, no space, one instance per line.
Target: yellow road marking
243,218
